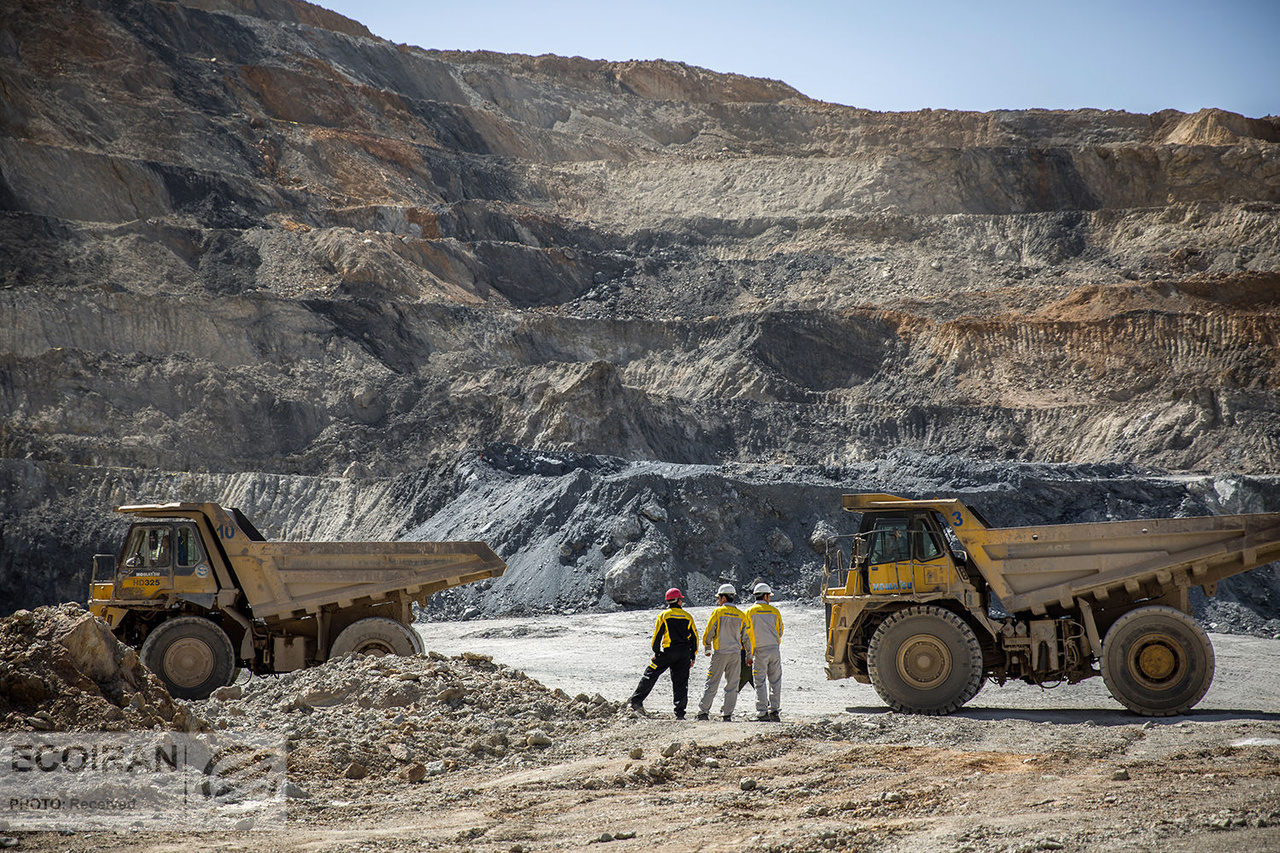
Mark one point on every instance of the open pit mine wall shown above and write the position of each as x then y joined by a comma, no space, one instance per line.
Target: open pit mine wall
250,253
599,533
247,236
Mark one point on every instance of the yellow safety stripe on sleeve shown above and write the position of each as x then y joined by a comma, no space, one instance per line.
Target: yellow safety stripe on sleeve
712,636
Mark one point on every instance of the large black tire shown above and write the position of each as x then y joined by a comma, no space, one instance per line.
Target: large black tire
191,655
1157,661
376,635
925,660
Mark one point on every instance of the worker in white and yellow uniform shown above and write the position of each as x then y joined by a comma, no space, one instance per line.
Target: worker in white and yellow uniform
727,638
766,627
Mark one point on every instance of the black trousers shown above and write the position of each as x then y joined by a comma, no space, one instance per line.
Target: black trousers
676,659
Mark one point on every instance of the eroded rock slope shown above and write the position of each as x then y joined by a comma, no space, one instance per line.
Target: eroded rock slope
249,250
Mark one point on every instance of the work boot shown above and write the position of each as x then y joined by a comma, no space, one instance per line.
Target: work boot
728,718
762,717
702,715
638,707
774,718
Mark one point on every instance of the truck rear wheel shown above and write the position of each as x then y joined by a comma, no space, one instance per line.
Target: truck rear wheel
376,635
191,655
1157,661
925,660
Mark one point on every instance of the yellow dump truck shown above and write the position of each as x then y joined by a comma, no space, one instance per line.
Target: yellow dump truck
202,593
933,601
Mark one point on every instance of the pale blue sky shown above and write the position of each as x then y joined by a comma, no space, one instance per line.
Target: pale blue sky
1136,55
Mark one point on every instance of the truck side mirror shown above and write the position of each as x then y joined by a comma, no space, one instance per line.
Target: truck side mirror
859,548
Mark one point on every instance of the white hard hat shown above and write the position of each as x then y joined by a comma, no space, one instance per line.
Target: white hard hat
726,589
762,588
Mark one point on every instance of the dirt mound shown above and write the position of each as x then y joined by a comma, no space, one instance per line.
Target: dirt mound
1219,127
412,717
63,669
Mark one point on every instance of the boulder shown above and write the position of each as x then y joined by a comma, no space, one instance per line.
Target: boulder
778,542
93,648
639,575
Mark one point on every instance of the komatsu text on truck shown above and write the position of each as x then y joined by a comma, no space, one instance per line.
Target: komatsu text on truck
934,601
203,594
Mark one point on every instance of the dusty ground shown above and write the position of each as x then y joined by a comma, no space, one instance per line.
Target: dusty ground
1018,770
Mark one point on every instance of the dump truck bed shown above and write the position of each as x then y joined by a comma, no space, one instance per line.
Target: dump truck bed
297,578
283,580
1035,568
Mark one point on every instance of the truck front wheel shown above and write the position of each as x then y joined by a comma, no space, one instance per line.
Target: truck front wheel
376,635
1157,661
925,660
191,655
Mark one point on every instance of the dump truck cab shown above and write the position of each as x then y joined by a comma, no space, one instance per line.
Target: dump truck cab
902,555
905,553
161,558
170,560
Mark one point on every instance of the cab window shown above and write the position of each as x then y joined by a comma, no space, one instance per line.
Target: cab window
889,542
148,548
924,540
188,552
159,547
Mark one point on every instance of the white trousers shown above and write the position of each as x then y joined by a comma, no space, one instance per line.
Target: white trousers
767,673
727,665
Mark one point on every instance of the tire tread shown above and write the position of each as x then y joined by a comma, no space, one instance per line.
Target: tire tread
222,649
1116,682
971,647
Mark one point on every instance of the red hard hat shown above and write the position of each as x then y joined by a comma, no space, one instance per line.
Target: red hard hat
674,594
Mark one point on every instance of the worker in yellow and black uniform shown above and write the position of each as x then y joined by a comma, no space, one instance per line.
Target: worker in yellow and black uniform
675,647
727,639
